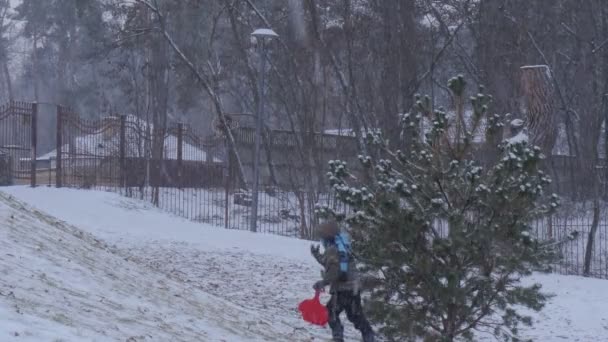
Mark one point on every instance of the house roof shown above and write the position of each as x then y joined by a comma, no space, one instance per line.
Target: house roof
346,132
102,144
479,137
88,146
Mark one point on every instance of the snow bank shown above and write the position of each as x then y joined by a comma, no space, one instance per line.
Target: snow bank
119,219
61,284
265,274
259,277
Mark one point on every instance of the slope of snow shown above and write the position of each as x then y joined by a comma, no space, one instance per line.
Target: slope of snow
268,274
265,275
59,283
117,219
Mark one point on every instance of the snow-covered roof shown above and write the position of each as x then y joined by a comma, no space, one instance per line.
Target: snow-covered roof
479,137
541,66
99,144
347,132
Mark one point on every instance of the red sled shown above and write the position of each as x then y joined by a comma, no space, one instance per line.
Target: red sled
313,311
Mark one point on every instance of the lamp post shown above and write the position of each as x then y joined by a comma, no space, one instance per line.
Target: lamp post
261,36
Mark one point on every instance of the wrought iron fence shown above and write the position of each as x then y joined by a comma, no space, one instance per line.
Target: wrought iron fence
175,169
18,140
179,171
572,236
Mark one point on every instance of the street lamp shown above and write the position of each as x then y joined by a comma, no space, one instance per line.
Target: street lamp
260,36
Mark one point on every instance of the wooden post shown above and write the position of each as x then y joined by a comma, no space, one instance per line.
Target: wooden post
34,143
59,149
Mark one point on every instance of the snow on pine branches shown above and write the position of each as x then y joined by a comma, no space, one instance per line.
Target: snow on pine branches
447,235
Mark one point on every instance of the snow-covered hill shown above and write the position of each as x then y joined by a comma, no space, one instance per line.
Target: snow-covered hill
115,268
60,283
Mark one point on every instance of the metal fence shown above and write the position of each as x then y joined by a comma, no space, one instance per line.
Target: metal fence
173,167
18,140
571,234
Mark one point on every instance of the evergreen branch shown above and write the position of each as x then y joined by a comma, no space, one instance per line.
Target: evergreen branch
485,309
445,196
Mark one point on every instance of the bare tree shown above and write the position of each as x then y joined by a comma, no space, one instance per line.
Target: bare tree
5,28
204,79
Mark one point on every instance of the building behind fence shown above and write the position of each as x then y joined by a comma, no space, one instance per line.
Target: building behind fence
175,167
179,170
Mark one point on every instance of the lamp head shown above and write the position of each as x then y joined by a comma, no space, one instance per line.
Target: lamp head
264,33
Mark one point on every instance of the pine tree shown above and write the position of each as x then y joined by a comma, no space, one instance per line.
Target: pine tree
448,237
67,39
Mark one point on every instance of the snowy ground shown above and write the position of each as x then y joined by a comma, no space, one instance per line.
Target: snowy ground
231,284
279,212
249,270
61,284
572,229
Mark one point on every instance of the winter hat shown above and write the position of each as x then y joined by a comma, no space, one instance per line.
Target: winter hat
328,229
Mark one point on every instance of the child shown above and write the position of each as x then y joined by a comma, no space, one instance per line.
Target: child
340,274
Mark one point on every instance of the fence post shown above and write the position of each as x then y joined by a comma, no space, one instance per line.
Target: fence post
123,138
34,142
59,149
180,150
228,175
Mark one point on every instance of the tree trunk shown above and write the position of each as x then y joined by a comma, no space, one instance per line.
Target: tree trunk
266,142
605,161
591,238
302,205
7,78
159,88
398,65
495,37
241,45
538,96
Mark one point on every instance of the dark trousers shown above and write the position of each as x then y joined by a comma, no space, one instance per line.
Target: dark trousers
351,303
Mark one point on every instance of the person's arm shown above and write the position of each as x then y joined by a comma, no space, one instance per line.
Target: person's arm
314,250
332,268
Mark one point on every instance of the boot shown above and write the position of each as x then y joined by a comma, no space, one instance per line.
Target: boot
338,339
368,337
